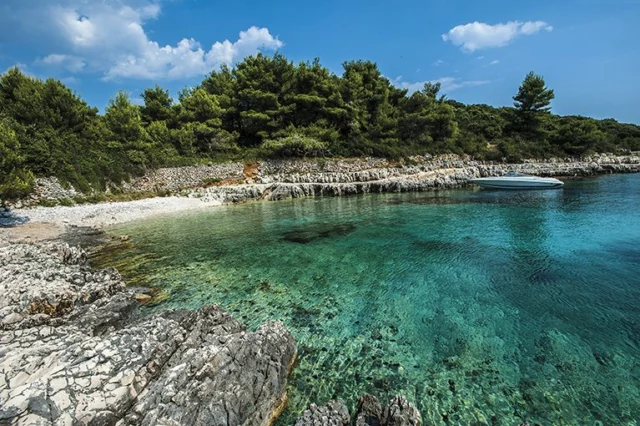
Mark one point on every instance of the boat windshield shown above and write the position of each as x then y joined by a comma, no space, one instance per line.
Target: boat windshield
515,174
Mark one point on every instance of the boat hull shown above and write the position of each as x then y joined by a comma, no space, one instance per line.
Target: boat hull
518,183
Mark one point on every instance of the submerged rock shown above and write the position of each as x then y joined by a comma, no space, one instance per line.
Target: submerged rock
98,362
334,413
399,412
369,411
316,232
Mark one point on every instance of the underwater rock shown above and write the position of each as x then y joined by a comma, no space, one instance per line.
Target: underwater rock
334,413
369,411
98,362
399,412
317,232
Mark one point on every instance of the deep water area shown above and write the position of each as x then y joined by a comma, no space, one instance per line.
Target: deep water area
480,306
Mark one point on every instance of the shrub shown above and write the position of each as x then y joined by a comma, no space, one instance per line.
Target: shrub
295,146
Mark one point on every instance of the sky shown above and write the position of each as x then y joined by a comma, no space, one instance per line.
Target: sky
480,51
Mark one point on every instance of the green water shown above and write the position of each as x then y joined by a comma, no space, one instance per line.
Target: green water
482,307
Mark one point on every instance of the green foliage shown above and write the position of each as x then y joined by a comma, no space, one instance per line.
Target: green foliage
268,106
15,180
532,102
533,95
295,146
157,105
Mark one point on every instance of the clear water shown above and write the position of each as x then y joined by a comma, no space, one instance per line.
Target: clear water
482,307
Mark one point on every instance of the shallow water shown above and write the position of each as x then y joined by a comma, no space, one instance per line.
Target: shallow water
482,307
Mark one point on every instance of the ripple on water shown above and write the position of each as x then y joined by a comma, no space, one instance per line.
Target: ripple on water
483,307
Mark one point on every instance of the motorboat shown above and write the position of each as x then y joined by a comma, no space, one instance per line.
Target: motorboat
514,180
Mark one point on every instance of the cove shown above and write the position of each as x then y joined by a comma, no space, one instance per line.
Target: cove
482,307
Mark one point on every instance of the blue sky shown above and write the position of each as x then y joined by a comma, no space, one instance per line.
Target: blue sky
587,50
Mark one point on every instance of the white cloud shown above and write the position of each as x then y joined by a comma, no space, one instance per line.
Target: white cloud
188,59
478,35
438,62
68,62
108,36
447,84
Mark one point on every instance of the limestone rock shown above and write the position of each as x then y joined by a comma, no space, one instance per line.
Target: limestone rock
280,179
143,298
369,411
99,362
334,413
399,412
47,281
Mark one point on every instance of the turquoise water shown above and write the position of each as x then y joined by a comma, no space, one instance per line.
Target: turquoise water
482,307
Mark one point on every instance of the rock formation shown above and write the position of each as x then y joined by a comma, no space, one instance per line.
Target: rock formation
399,412
278,179
74,349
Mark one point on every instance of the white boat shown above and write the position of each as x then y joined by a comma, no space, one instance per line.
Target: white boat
514,180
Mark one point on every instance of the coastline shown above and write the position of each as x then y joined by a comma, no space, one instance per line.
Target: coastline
277,180
76,351
56,307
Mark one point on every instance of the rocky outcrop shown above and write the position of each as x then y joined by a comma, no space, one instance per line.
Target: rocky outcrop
334,413
48,190
278,179
422,181
172,179
39,283
97,361
400,412
369,412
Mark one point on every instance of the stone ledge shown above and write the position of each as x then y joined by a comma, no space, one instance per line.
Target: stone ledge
99,362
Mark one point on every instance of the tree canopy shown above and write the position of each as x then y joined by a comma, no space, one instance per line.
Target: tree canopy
15,180
268,106
533,95
532,103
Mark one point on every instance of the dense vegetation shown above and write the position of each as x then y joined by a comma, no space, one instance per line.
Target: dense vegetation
268,106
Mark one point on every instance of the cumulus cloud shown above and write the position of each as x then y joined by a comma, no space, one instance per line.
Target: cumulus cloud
189,59
478,35
447,84
109,37
67,62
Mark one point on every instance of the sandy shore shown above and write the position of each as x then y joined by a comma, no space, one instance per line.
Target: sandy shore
46,223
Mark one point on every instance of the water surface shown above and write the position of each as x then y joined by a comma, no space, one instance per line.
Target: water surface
482,307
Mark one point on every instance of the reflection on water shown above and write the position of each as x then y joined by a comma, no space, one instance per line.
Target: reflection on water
483,307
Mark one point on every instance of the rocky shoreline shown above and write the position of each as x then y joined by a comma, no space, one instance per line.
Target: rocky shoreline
198,187
76,349
277,179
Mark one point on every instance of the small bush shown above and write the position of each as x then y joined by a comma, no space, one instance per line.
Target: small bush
295,146
67,202
45,202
